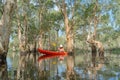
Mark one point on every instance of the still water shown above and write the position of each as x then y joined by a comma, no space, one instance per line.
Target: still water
81,66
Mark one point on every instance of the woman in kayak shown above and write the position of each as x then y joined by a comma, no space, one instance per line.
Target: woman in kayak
61,49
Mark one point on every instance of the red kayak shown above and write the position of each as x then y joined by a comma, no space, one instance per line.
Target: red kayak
47,52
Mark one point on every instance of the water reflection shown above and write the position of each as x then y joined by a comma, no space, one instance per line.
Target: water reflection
52,64
89,66
60,57
3,71
93,68
26,66
85,66
70,74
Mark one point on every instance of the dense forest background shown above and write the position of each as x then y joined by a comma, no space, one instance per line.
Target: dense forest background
29,24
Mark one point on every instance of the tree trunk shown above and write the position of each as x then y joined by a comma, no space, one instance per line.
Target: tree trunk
96,44
40,45
19,31
93,47
68,29
6,23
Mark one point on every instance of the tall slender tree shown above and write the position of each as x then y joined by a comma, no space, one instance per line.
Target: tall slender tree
6,24
67,8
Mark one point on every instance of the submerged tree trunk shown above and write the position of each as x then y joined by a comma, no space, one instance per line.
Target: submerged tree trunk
96,44
5,27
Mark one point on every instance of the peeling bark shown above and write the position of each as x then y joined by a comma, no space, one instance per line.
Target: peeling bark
68,28
96,44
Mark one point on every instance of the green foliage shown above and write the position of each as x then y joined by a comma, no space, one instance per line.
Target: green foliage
89,10
105,19
44,17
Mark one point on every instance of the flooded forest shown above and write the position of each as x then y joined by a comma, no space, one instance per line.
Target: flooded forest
59,39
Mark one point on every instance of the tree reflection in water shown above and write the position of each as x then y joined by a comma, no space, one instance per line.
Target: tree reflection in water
70,74
94,66
3,72
50,69
52,65
80,67
27,67
43,69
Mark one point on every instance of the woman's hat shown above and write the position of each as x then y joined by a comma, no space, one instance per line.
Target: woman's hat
61,45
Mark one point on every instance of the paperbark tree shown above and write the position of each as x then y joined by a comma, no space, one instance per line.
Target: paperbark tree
69,34
68,23
5,27
97,45
92,37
